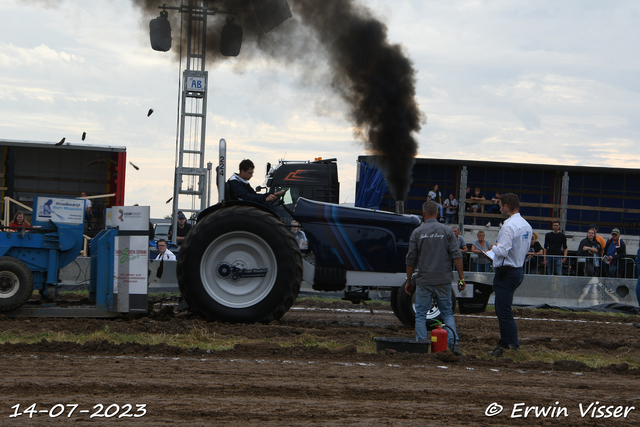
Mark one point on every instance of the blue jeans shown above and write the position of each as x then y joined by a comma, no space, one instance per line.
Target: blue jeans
450,218
424,295
530,268
612,269
554,263
505,283
481,268
638,291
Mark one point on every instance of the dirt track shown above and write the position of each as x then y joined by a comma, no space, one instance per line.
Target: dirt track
262,383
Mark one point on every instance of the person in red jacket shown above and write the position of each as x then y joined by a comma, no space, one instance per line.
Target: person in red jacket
18,222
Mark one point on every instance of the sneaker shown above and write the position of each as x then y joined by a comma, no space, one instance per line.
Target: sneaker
499,350
489,224
456,350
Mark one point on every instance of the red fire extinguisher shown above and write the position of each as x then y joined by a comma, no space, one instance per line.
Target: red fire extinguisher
438,338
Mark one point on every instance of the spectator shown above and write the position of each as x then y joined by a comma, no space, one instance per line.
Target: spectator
164,253
599,238
555,250
18,222
535,250
451,209
88,216
432,249
240,188
462,245
590,249
301,238
475,197
614,251
495,208
182,230
436,196
481,263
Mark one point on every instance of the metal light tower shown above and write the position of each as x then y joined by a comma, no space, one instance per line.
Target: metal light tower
192,178
190,174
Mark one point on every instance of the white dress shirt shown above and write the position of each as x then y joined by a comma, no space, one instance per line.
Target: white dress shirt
167,255
513,244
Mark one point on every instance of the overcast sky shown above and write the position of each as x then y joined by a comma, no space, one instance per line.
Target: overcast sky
543,82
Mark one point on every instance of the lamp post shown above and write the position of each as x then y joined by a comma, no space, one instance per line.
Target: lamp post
191,173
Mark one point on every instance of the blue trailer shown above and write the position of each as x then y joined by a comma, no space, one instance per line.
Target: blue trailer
577,196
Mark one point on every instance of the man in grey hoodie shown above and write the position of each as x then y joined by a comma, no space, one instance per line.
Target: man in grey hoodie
433,249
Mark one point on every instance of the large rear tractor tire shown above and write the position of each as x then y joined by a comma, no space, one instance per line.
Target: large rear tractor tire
16,283
240,265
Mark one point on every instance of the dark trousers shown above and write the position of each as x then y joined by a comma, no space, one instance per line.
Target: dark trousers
505,283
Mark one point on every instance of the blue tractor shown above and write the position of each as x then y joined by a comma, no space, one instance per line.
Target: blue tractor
241,262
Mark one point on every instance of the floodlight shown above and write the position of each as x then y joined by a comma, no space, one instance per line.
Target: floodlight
231,38
160,32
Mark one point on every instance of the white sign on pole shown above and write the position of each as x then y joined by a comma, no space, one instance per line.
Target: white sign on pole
195,84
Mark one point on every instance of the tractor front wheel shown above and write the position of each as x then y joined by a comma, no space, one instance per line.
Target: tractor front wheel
16,283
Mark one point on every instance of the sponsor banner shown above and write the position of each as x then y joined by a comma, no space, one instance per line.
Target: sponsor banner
129,218
61,211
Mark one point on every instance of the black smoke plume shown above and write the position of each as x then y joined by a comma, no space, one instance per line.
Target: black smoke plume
375,78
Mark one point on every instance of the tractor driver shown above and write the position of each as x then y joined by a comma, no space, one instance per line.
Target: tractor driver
240,188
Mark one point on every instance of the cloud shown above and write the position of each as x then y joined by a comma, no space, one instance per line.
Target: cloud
41,56
546,82
45,4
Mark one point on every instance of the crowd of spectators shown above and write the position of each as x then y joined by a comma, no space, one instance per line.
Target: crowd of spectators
595,256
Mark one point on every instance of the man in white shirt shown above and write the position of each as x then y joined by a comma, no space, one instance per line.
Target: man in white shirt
164,253
509,255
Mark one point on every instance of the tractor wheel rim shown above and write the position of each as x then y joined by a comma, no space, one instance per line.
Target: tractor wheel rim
9,284
238,269
433,312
